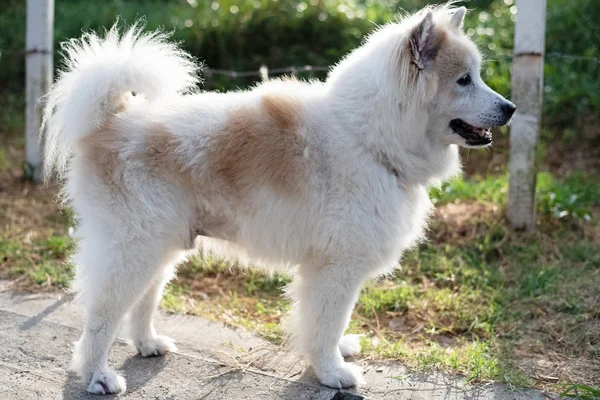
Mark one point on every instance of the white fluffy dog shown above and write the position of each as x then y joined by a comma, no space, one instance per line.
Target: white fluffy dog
326,179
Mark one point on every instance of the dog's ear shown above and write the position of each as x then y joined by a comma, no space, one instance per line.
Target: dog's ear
458,18
424,42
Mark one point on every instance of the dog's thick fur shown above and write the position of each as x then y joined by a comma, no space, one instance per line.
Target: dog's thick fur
327,180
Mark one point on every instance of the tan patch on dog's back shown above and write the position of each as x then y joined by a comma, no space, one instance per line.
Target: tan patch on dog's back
160,152
101,152
282,110
262,146
161,155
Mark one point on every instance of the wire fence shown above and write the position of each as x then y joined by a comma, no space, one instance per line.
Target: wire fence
264,71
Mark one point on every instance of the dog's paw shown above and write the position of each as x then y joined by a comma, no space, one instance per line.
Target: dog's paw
157,346
344,375
106,382
349,345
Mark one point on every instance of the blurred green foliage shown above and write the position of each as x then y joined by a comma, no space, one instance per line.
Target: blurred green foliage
242,35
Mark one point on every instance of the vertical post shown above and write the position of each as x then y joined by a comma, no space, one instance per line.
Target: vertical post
264,73
527,83
38,69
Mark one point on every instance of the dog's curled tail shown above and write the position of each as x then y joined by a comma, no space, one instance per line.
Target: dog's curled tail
99,74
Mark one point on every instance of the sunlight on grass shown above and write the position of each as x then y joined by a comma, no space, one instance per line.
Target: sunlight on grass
174,299
493,189
573,196
475,359
43,261
260,314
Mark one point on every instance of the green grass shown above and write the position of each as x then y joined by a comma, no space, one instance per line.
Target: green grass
175,299
475,359
573,196
222,291
581,392
482,294
41,261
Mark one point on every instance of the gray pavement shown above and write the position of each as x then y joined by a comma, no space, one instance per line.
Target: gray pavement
213,362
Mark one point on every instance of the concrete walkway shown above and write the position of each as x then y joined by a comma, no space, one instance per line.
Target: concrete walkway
213,362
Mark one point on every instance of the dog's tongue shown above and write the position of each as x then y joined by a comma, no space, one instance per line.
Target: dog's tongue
480,131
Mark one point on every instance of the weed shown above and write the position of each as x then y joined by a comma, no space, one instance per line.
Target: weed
581,392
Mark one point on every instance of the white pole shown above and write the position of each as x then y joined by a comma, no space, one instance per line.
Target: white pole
527,84
264,73
38,62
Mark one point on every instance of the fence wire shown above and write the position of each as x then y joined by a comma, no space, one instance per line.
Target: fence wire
264,71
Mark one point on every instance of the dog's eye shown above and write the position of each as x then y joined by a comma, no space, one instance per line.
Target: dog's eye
465,80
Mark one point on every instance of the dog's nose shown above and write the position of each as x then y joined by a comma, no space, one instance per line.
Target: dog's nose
508,108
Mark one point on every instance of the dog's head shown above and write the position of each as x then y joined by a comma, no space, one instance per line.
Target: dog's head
437,67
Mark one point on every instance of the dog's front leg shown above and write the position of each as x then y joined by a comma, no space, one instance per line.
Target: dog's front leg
323,300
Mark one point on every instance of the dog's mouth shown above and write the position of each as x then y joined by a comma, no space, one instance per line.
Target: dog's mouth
473,135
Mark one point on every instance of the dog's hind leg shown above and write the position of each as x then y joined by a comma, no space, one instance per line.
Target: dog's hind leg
323,300
144,336
113,273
